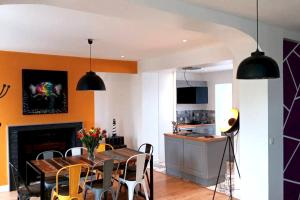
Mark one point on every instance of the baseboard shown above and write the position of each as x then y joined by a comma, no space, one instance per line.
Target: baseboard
4,188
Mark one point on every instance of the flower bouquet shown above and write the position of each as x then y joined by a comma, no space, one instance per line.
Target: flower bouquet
90,139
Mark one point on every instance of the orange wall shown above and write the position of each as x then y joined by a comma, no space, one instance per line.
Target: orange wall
81,104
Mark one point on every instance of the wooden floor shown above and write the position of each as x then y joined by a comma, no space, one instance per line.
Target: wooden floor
165,188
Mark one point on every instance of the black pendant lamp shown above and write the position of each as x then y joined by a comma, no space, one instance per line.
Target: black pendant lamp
258,66
90,81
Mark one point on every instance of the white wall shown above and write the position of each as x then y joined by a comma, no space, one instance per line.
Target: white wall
223,104
158,100
119,101
261,162
254,140
167,107
260,102
212,78
149,116
143,105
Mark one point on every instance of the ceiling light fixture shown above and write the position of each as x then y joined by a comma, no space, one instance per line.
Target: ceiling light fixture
90,81
122,56
258,66
184,41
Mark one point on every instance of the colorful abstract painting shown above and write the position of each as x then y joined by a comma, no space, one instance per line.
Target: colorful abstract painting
291,125
45,91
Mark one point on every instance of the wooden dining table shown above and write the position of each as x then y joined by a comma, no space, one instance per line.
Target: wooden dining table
49,167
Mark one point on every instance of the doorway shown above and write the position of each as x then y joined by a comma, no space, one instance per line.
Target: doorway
223,103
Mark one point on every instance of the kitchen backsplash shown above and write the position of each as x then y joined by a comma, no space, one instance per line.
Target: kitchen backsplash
196,116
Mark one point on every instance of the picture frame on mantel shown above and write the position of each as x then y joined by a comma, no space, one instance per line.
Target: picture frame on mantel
44,91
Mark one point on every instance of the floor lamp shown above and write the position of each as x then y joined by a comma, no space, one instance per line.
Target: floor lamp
230,129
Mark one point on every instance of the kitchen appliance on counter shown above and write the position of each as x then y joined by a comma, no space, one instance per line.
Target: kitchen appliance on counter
175,127
193,134
198,128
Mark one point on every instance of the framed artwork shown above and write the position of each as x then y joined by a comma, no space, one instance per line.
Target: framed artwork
44,91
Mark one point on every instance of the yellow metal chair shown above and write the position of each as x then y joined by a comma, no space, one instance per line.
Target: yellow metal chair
103,147
73,190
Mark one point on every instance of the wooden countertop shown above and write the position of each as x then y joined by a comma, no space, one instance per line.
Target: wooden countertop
216,138
192,125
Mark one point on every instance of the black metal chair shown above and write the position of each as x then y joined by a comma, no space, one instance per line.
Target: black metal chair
148,149
25,192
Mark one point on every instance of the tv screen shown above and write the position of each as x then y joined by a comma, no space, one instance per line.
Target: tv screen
192,95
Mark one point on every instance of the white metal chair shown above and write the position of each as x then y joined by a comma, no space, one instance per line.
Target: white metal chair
75,151
146,148
132,179
105,184
49,154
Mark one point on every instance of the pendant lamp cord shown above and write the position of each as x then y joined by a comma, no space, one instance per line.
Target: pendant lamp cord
90,57
187,82
256,24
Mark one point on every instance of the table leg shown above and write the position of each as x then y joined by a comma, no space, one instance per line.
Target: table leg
43,197
151,178
26,175
42,181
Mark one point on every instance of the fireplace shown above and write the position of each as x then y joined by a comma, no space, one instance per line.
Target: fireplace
26,142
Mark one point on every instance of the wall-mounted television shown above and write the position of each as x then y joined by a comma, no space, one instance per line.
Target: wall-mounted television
192,95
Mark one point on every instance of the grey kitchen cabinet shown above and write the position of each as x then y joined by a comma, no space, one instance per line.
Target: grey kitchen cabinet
195,160
174,155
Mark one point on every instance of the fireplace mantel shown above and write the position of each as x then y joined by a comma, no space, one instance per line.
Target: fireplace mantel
27,140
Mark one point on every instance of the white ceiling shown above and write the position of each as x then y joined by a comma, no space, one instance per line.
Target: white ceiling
209,67
121,27
118,27
284,13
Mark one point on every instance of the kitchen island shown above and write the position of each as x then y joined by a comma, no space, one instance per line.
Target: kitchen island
194,157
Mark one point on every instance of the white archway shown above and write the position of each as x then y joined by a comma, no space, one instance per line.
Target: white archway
260,102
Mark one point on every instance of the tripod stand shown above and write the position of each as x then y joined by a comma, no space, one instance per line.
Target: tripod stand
228,144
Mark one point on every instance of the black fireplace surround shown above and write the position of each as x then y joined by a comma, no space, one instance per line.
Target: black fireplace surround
26,142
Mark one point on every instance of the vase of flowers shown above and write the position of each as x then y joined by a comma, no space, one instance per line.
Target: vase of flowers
90,139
